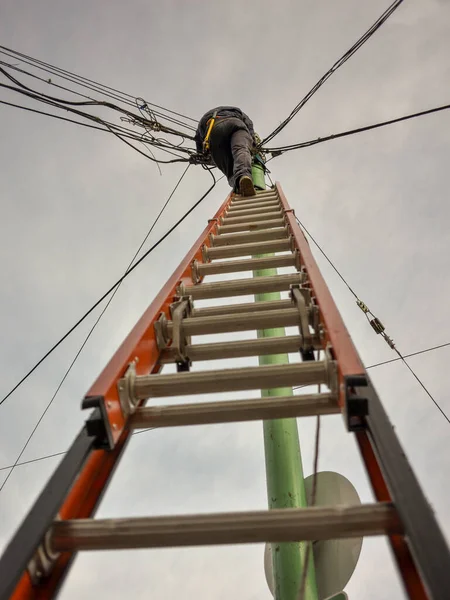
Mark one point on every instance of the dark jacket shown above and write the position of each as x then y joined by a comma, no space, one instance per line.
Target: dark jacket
222,111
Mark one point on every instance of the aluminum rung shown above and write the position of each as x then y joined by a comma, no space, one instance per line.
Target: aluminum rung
255,409
263,207
251,226
230,239
253,204
253,218
240,287
277,525
258,197
248,264
228,309
238,349
264,377
247,249
268,319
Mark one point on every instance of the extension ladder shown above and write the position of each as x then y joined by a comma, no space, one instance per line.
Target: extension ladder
61,521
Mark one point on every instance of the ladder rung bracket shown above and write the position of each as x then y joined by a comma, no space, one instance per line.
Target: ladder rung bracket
269,319
240,287
234,411
230,239
239,349
279,525
254,218
227,309
269,246
251,226
262,207
250,264
233,380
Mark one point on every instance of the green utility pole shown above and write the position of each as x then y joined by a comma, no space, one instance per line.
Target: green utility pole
284,470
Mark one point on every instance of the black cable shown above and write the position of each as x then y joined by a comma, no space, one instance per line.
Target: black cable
111,127
106,294
367,35
33,460
63,104
89,84
93,327
386,362
282,149
402,358
328,259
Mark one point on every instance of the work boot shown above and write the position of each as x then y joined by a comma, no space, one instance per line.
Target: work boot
246,187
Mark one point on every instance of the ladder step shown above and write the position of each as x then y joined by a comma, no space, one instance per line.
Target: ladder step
227,309
229,239
255,409
253,204
254,218
251,225
257,198
288,317
262,207
264,377
248,264
282,245
278,525
240,287
238,349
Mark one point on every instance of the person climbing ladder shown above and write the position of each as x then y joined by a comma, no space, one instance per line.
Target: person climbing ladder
226,134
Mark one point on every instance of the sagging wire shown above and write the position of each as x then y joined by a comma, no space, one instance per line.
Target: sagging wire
112,128
362,40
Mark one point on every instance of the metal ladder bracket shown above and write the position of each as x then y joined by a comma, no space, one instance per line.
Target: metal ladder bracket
98,425
301,297
356,403
180,309
44,559
125,387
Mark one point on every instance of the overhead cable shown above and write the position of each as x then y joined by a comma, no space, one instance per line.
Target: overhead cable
111,289
282,149
362,40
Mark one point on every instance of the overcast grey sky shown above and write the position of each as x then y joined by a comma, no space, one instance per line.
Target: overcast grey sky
77,203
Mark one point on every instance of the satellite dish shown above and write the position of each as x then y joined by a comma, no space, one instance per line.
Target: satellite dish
334,560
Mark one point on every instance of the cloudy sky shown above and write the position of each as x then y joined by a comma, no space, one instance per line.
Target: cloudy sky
76,204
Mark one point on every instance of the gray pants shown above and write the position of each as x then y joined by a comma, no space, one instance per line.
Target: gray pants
230,145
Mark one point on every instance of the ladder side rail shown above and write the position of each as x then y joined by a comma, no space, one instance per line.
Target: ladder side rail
422,554
141,342
92,475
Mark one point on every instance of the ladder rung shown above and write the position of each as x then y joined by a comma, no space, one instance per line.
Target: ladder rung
262,207
255,409
264,377
227,309
253,204
247,249
230,239
257,198
240,287
238,349
278,525
251,225
248,264
263,216
288,317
